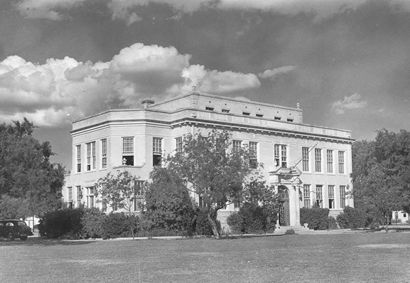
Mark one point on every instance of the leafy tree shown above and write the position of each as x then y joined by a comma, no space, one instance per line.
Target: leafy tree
167,202
119,191
381,174
214,171
29,183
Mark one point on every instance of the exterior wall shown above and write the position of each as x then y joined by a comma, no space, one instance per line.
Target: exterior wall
187,114
400,217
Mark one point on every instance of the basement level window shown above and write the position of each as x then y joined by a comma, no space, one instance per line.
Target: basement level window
259,115
278,118
289,120
225,110
246,113
209,108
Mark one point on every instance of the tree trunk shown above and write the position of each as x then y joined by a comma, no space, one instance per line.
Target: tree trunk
212,221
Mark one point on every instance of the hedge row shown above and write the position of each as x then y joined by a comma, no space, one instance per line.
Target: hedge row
92,223
318,218
251,218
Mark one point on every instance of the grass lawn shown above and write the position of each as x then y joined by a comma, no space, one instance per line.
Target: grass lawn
359,257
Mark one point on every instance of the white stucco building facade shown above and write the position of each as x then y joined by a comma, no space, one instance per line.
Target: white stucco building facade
306,164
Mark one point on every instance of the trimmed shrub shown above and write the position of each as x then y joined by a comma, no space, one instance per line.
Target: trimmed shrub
352,218
65,223
290,232
252,218
116,225
235,222
317,218
92,223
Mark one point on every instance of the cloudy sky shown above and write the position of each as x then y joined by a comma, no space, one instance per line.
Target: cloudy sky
347,62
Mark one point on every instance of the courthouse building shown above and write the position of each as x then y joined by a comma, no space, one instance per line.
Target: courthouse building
306,164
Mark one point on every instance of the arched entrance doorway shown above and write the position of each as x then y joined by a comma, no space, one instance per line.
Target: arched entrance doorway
284,215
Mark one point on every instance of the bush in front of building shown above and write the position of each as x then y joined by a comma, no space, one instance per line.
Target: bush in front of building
64,223
352,218
316,218
235,222
115,225
168,205
92,220
251,218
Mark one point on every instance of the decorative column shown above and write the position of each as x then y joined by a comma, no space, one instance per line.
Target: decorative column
276,188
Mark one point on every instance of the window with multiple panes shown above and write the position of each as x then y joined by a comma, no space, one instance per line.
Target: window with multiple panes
128,151
91,157
78,157
70,197
342,196
319,197
103,153
79,194
305,158
178,144
306,196
331,195
90,197
341,161
138,200
318,160
280,155
156,151
329,159
236,145
253,154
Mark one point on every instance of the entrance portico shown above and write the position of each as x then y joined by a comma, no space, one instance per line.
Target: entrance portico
287,183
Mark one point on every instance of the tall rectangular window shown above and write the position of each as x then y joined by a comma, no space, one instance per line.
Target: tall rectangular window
318,160
78,157
104,153
329,159
306,196
156,151
90,197
342,196
331,196
178,143
305,159
253,154
128,151
70,197
280,155
90,155
319,197
236,145
79,194
341,161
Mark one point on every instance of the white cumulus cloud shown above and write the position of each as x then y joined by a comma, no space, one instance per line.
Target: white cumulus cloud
59,90
274,73
351,102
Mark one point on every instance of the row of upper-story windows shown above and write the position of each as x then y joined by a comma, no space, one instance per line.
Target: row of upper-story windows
127,153
316,195
280,155
331,164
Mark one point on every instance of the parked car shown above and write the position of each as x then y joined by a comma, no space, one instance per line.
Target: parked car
14,228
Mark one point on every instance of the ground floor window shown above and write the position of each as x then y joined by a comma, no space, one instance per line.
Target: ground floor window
306,196
331,196
319,197
342,196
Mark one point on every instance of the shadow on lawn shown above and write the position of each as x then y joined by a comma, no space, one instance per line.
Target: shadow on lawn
43,242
